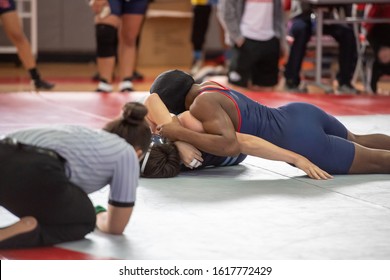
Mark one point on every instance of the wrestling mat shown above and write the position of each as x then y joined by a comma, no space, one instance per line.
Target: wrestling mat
258,210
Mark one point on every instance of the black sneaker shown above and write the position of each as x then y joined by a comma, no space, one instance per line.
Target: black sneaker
42,84
137,76
294,88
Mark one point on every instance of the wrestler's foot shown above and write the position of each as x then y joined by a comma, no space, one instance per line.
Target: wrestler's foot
24,225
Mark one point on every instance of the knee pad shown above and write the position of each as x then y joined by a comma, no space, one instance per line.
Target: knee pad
106,40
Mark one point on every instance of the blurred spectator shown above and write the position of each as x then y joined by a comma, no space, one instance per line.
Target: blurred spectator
202,11
378,36
254,29
118,26
301,30
13,29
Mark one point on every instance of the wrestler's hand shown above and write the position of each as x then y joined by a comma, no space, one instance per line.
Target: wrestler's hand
189,155
312,170
97,5
170,130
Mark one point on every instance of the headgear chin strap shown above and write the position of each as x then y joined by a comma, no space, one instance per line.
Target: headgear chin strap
172,86
156,140
146,158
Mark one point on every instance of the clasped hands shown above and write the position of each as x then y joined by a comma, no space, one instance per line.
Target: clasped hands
189,155
170,130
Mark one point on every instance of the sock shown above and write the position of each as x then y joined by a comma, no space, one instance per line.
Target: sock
128,79
34,74
197,55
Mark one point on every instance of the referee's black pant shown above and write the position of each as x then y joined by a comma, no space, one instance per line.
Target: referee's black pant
35,184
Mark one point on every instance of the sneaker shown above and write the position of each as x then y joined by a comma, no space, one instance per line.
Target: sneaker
196,66
103,86
137,76
42,84
126,86
346,89
294,88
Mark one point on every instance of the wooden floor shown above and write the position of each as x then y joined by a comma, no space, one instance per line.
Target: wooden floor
75,77
67,77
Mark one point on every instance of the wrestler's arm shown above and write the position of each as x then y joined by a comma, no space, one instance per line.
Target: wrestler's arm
256,146
219,137
159,114
157,111
114,220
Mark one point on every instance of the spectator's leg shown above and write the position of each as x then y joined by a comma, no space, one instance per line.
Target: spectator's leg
301,32
345,37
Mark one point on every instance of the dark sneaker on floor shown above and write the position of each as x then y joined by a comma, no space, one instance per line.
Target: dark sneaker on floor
137,76
42,84
290,87
103,86
126,86
346,89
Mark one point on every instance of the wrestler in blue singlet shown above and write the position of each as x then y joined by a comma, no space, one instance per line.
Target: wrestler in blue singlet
300,127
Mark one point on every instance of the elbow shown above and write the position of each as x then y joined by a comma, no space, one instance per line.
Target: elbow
232,150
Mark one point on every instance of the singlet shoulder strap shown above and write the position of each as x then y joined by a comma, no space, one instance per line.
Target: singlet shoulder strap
217,88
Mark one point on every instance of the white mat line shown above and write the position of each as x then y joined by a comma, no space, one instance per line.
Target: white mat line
347,195
47,100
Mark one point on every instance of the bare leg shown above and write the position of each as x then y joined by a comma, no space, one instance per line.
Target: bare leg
106,65
129,31
24,225
374,141
368,161
15,33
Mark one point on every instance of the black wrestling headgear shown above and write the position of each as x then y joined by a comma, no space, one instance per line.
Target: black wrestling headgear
172,86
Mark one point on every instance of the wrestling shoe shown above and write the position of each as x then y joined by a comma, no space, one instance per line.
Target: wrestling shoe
126,86
104,86
42,84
